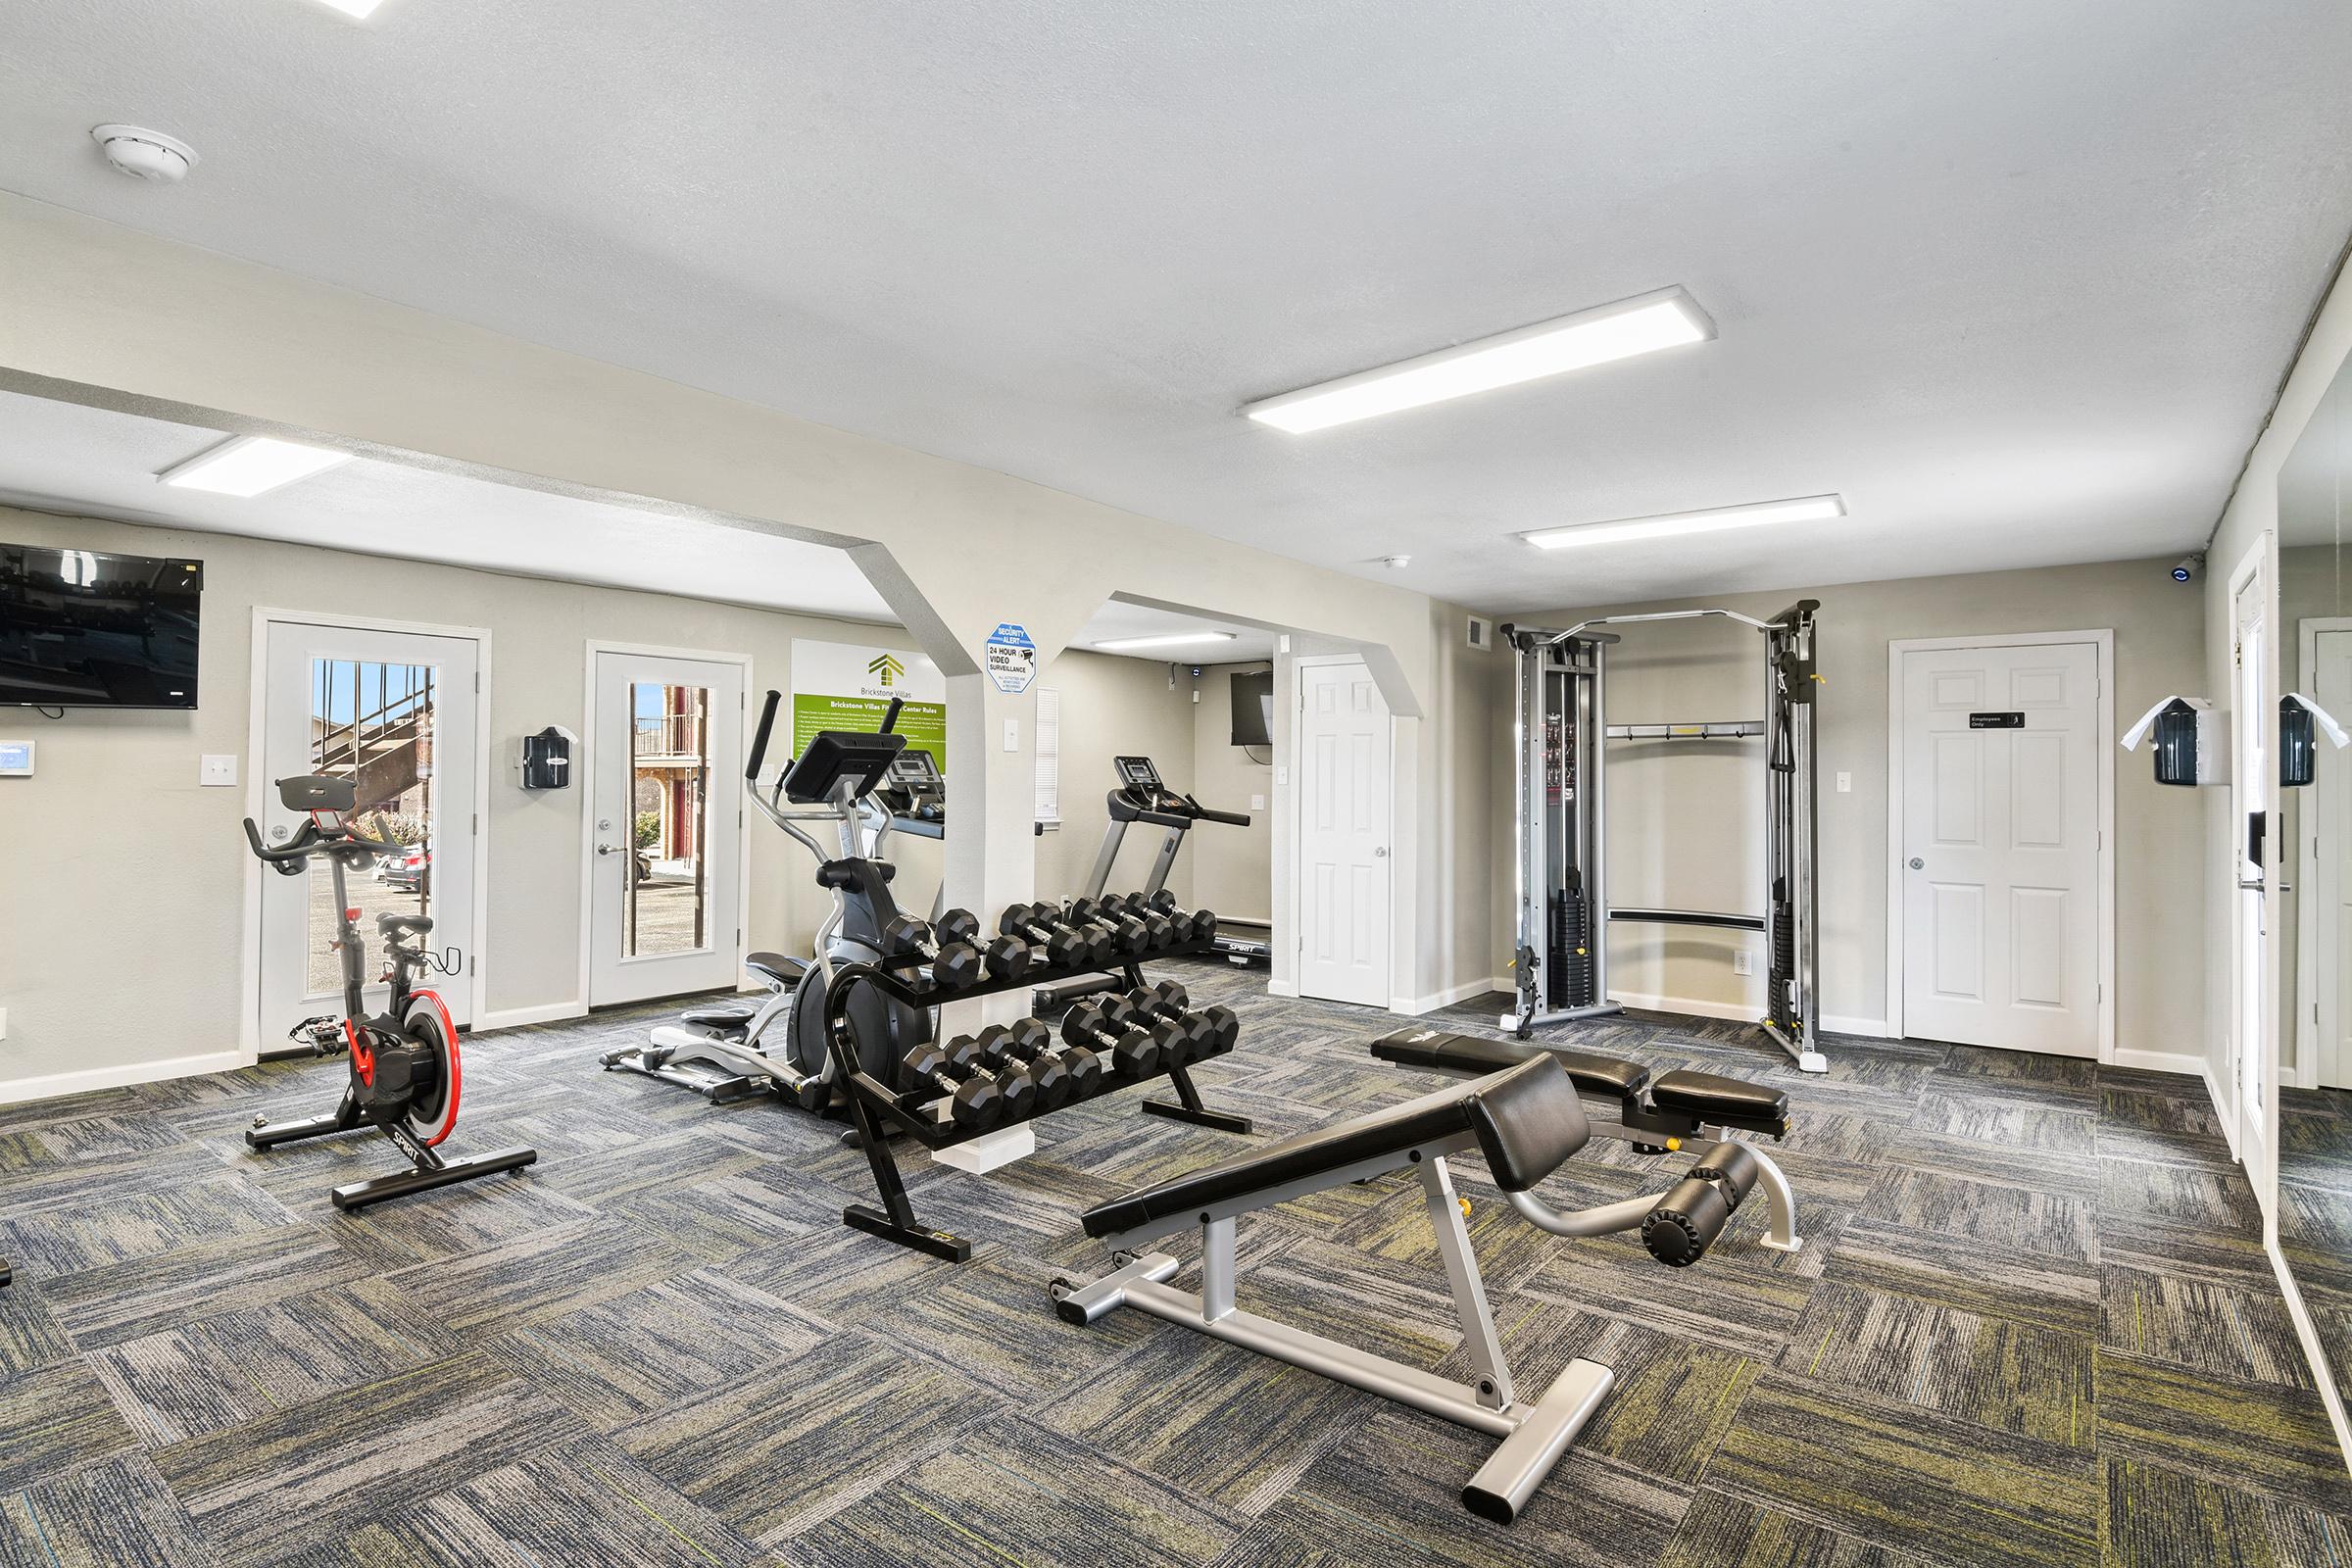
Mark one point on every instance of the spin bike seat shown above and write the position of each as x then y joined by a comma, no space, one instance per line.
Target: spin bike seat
390,926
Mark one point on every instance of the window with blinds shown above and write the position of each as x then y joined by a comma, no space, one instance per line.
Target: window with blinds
1049,756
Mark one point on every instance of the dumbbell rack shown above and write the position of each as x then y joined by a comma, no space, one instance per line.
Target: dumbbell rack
876,1111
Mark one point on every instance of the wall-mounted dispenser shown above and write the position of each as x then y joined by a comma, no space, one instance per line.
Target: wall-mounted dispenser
2300,719
2191,740
545,759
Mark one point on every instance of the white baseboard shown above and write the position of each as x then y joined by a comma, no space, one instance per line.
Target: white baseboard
1869,1028
1281,988
516,1017
55,1085
1414,1006
2163,1061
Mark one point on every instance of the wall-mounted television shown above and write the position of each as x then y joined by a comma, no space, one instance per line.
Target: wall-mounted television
1254,708
83,629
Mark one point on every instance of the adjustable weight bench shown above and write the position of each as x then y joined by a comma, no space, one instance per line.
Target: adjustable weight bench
1525,1123
1676,1112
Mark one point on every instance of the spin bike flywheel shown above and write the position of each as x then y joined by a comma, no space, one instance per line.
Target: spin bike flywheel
433,1111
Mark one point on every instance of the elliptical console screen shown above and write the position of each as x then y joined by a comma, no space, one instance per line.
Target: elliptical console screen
914,767
1138,773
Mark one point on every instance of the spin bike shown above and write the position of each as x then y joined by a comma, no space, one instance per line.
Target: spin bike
405,1077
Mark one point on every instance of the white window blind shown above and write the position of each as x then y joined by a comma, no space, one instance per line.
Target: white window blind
1049,755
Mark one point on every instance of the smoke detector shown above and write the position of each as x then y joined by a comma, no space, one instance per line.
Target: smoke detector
144,153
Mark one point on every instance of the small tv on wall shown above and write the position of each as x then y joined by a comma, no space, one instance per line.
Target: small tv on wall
1254,708
83,629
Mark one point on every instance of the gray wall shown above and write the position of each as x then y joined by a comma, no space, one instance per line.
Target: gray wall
1684,823
127,879
1233,870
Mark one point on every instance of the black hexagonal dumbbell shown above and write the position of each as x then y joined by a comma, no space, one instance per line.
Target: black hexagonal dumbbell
1156,932
971,1052
976,1098
1195,1038
1129,935
1135,1049
1026,1047
1192,925
909,944
1002,957
1063,947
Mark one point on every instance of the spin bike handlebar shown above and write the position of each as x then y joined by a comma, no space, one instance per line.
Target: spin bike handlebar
311,839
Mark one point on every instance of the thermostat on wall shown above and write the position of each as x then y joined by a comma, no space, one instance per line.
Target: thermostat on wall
16,759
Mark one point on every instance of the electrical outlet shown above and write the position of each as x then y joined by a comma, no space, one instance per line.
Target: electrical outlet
1744,962
1258,802
219,771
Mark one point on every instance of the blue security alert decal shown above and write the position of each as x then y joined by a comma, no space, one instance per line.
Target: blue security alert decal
1010,658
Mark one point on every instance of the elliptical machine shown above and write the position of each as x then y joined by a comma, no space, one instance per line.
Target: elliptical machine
405,1075
728,1054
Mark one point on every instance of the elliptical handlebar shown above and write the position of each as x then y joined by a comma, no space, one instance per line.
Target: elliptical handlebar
767,722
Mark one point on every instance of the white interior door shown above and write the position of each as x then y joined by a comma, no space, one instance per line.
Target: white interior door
2250,792
1343,860
665,841
2326,970
395,713
2000,825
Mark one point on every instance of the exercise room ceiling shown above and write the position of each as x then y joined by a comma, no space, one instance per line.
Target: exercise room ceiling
2018,279
62,456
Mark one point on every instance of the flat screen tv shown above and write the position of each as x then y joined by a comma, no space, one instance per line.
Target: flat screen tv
82,628
1254,708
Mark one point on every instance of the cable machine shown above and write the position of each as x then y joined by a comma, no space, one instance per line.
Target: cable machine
1562,961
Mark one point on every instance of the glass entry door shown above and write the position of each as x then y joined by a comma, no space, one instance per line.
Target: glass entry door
395,714
665,845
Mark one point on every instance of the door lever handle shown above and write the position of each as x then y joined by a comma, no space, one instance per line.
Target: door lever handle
608,849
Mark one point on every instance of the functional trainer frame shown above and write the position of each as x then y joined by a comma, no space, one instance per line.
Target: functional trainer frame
1562,818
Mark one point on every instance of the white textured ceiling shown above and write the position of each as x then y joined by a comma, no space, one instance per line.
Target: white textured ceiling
2017,277
61,457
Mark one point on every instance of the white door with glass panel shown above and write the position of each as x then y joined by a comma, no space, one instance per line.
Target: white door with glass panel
1343,860
394,712
2001,846
665,845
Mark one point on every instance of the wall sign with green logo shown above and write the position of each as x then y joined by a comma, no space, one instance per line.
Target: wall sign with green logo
850,686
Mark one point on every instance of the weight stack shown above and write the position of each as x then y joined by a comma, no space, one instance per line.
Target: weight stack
1571,950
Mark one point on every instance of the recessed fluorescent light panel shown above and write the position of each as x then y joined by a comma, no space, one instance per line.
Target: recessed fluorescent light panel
250,465
1804,509
1178,639
1665,320
353,8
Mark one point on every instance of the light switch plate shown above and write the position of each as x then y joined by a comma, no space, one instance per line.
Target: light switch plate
1282,775
1845,783
1013,734
218,770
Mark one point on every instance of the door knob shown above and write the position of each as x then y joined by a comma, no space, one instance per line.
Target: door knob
1381,854
1917,864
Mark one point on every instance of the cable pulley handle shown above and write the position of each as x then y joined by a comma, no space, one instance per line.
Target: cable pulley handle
890,715
767,722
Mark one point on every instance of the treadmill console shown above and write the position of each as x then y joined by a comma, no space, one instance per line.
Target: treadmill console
1138,775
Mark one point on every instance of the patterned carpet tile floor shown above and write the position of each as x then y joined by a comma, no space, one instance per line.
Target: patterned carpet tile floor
2032,1324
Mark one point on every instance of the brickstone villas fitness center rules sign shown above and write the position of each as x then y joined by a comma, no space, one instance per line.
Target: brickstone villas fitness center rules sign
849,686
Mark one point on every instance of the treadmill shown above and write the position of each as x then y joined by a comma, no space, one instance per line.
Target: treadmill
1142,797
